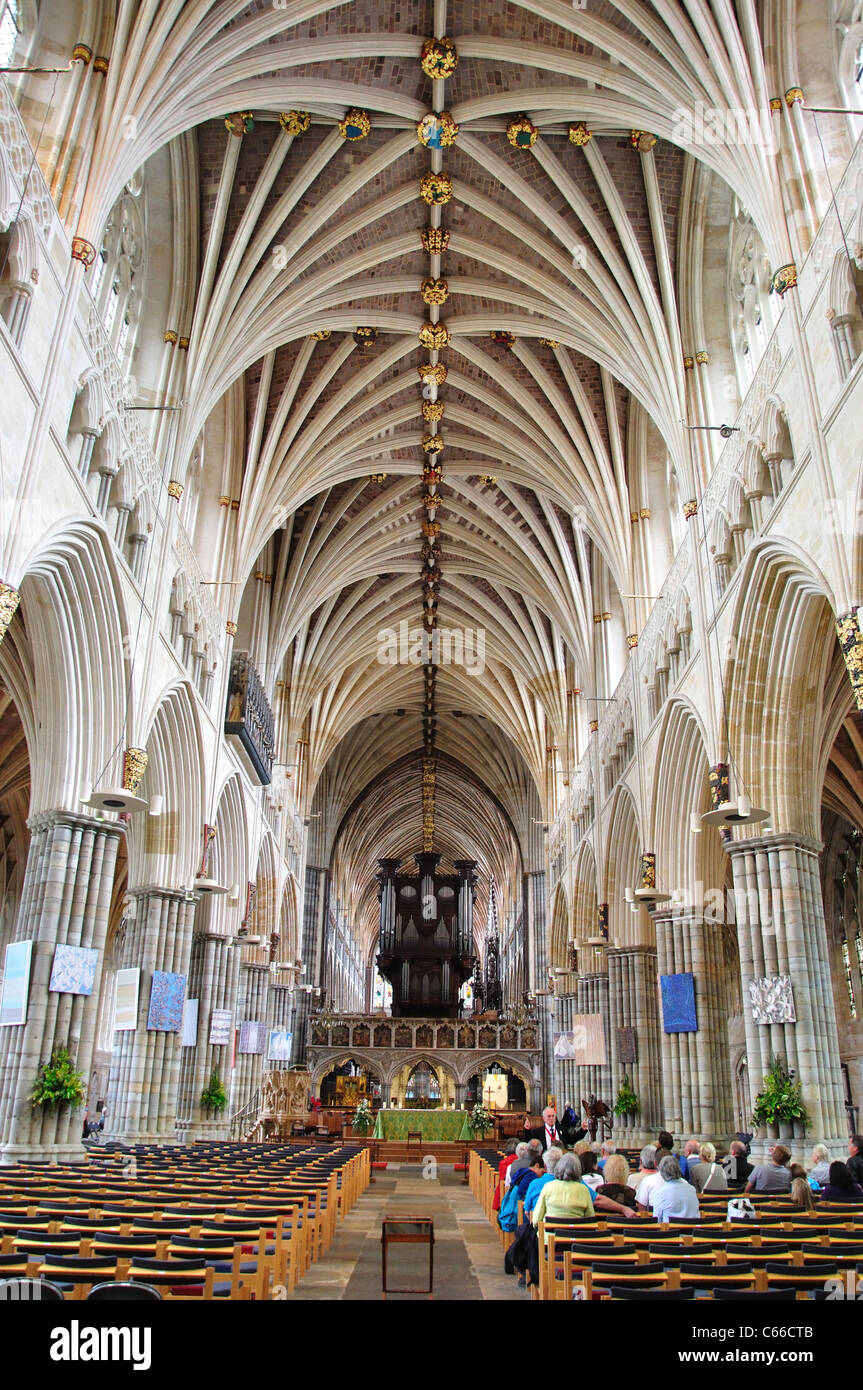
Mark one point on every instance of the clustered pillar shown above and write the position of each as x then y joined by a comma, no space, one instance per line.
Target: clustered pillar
213,970
145,1065
696,1070
781,931
632,1004
252,1007
65,900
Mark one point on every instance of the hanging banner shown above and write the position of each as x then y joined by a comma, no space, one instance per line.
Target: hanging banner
128,987
220,1027
189,1036
16,983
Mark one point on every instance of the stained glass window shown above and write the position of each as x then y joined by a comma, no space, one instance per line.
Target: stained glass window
383,993
9,30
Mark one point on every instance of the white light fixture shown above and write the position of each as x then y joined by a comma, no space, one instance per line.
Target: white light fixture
695,823
209,885
156,804
116,799
234,895
739,812
627,895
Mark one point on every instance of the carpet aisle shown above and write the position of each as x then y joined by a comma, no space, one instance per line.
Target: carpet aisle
468,1255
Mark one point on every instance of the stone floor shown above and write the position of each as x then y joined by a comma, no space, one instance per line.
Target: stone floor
468,1255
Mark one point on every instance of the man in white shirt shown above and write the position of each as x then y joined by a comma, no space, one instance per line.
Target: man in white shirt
674,1199
648,1178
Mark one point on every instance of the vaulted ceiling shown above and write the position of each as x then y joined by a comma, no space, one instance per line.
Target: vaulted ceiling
544,261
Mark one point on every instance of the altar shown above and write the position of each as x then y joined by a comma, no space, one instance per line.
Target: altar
445,1126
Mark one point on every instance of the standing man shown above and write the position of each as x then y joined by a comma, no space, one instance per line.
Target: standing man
548,1133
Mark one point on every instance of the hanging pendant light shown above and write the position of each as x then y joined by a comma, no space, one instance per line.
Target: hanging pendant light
647,893
726,812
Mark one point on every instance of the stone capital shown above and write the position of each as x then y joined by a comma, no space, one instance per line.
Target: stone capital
782,839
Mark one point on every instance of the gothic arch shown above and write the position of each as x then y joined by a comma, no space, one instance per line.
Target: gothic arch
163,849
777,682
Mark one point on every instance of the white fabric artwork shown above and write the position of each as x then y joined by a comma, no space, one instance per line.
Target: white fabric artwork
772,999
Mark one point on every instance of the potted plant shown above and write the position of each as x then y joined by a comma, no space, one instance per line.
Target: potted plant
213,1096
780,1101
627,1100
364,1119
479,1121
58,1083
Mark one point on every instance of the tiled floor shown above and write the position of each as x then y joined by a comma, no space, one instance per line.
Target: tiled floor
468,1255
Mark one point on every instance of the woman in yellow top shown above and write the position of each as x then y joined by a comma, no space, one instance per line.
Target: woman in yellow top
567,1197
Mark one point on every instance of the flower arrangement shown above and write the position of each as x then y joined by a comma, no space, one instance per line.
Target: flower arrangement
438,58
294,122
479,1120
364,1119
213,1096
355,125
627,1100
58,1082
780,1099
435,189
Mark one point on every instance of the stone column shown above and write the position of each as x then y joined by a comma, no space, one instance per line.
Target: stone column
145,1065
698,1092
537,963
65,900
281,1012
781,931
591,997
213,971
632,1003
314,916
252,1005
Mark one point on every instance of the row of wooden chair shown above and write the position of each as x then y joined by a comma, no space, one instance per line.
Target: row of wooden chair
242,1227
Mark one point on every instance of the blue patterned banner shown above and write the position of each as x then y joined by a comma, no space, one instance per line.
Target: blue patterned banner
678,1003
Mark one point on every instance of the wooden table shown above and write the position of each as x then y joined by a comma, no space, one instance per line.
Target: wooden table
406,1230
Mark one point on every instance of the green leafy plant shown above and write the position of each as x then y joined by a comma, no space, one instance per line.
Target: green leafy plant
627,1100
479,1120
58,1082
781,1099
213,1096
363,1118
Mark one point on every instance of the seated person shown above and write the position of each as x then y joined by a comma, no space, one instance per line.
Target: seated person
606,1149
707,1175
508,1158
689,1156
664,1145
522,1181
589,1175
738,1169
550,1160
567,1197
773,1176
674,1199
616,1177
855,1158
819,1173
523,1155
801,1192
841,1186
648,1178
